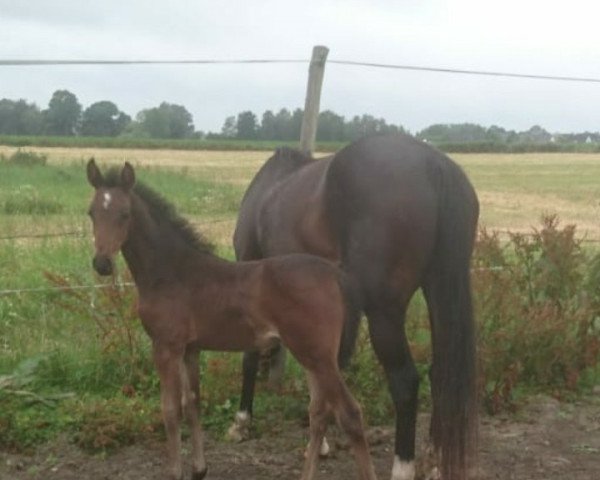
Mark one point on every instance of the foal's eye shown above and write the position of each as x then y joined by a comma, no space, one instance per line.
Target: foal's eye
124,216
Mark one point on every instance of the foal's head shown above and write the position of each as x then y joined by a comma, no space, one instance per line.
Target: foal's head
110,212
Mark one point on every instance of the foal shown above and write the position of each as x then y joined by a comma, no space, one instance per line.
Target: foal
189,300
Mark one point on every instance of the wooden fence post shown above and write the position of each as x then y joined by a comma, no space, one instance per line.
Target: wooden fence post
308,134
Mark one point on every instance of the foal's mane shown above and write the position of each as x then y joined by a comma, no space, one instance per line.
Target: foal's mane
163,212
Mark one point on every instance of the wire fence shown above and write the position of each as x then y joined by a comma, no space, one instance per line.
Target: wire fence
81,233
87,233
353,63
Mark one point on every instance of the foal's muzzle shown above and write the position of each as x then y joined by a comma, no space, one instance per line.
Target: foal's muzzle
103,265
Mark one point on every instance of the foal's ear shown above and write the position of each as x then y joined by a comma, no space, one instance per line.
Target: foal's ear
127,177
93,174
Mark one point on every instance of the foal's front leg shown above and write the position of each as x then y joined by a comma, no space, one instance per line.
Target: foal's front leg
169,366
191,407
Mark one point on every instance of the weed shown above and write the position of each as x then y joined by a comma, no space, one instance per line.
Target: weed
25,159
107,424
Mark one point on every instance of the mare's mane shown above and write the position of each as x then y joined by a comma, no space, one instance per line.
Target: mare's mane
287,160
163,212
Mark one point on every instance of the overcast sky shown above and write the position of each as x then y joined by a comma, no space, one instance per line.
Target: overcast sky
520,36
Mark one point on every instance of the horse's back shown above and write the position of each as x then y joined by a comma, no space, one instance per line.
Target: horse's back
282,210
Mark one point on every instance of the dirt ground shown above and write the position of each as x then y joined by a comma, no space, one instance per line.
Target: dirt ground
544,440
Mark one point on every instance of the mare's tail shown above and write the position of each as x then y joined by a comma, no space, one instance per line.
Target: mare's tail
448,292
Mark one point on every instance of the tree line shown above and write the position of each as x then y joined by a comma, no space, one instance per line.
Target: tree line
65,116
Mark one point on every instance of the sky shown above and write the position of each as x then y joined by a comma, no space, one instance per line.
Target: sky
517,36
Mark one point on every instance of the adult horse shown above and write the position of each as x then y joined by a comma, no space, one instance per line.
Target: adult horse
189,300
398,215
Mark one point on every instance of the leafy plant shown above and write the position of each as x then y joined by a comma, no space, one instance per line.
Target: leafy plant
537,312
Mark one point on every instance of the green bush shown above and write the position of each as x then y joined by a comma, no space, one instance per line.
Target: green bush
537,307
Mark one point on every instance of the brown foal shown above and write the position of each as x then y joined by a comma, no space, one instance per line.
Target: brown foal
189,300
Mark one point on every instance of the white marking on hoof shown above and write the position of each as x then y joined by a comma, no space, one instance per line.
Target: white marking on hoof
107,200
434,474
240,429
403,470
324,450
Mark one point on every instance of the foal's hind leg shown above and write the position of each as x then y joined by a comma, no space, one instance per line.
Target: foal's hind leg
318,414
349,416
191,406
330,394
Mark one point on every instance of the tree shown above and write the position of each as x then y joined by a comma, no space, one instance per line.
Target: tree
103,119
166,121
19,118
295,125
247,127
535,134
229,128
268,126
368,125
331,126
63,114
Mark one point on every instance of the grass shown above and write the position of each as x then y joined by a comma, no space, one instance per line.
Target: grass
79,352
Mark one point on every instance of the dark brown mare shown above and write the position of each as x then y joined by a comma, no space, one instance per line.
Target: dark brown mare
397,215
190,300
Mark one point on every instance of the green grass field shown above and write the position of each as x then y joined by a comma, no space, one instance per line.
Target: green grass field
89,343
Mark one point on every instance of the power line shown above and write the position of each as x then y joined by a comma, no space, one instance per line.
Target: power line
420,68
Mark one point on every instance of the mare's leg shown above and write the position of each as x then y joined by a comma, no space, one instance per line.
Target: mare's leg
169,366
191,407
386,327
240,429
277,358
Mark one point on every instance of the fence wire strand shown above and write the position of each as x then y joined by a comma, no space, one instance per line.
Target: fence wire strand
353,63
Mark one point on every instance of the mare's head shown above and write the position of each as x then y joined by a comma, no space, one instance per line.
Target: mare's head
110,212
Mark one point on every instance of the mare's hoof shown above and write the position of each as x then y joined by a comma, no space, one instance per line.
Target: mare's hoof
240,429
323,449
199,475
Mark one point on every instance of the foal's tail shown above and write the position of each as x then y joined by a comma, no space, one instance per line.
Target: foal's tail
354,305
448,292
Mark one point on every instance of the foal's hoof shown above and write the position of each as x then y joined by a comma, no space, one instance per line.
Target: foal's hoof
199,475
240,428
